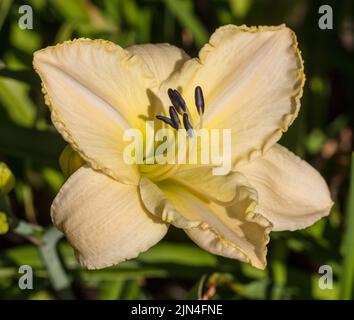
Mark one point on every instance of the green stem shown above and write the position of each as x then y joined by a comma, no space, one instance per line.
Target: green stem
47,244
201,286
57,274
347,280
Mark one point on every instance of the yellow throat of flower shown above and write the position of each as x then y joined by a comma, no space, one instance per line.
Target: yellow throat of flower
179,113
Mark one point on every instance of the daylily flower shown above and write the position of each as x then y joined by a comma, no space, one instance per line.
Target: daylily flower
252,80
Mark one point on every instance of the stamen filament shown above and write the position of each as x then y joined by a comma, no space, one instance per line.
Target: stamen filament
200,121
187,125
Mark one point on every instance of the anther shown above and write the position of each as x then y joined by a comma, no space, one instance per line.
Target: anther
187,125
199,100
174,117
181,101
166,120
177,100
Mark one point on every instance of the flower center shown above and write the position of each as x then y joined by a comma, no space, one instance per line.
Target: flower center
180,108
178,114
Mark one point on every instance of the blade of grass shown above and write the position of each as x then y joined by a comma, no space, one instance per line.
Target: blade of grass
347,279
70,10
5,6
185,16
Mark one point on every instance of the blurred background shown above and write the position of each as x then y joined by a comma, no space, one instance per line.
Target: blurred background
175,268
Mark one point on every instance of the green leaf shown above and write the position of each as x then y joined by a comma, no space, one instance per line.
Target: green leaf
178,253
240,8
253,290
122,272
347,278
111,290
70,10
66,31
53,178
27,254
14,98
25,40
131,290
24,143
182,11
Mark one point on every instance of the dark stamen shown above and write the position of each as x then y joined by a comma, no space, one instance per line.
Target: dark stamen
181,100
166,120
174,117
172,96
187,125
177,100
199,100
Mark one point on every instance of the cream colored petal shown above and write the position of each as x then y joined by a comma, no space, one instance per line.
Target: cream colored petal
156,201
95,91
104,220
292,194
162,59
159,197
234,231
118,77
239,236
218,188
252,80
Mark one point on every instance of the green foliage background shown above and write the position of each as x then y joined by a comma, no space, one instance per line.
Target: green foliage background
176,268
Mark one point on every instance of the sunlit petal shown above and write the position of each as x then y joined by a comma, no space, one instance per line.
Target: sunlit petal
291,193
162,59
218,188
252,80
95,91
104,220
234,231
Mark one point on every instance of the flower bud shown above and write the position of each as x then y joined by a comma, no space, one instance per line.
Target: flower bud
4,225
7,180
70,161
